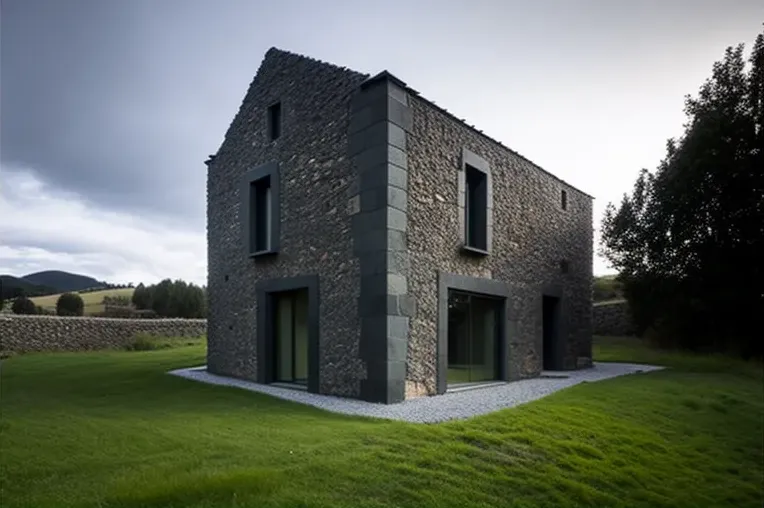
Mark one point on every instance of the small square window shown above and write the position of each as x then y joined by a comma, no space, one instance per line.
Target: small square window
564,199
564,266
274,121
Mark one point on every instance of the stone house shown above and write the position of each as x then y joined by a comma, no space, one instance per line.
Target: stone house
364,242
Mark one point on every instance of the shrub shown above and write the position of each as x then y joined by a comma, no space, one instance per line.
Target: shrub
70,304
145,342
23,305
119,301
149,342
43,311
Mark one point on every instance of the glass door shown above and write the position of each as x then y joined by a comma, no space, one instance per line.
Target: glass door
291,337
472,338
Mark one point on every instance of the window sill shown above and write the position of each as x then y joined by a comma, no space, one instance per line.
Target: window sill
474,251
262,253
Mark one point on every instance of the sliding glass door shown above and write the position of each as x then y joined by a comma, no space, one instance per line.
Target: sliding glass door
291,337
472,338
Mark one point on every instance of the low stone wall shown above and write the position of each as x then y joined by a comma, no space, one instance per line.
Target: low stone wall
22,334
612,319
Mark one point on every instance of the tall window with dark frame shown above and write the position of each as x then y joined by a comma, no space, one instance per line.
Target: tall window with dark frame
260,220
564,199
475,209
274,121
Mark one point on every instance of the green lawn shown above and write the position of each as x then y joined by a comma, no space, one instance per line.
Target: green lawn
111,429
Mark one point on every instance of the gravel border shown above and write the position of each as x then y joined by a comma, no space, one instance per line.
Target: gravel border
453,405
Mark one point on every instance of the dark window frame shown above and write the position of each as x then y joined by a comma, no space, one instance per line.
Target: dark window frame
475,204
275,121
481,287
253,225
265,291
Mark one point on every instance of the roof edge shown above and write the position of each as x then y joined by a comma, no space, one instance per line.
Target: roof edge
496,141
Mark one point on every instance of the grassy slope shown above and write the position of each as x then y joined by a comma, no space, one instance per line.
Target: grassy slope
111,429
93,300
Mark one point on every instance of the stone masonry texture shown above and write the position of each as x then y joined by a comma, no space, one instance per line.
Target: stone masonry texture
317,186
612,319
370,204
24,334
532,236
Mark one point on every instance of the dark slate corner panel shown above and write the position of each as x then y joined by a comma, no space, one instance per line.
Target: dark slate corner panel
265,290
489,287
270,169
379,121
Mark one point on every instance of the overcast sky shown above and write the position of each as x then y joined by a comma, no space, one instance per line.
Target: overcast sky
110,107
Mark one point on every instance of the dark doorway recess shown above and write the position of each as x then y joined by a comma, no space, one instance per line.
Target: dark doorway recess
552,351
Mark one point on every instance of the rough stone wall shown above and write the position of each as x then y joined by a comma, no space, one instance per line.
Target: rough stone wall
23,334
612,319
316,175
532,234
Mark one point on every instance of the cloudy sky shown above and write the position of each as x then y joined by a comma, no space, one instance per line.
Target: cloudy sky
110,107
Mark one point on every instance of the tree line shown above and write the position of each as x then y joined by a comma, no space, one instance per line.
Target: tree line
168,299
171,298
688,241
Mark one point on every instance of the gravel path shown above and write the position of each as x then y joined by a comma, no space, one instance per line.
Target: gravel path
449,406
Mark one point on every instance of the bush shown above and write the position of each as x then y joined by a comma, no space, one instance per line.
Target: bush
42,311
149,342
119,301
70,304
23,305
145,342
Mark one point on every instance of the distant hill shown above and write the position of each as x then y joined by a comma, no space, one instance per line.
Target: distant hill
44,283
63,281
11,286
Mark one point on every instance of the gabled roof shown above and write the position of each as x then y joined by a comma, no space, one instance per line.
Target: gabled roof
386,75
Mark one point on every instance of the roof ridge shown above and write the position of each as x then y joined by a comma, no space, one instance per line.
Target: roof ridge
385,74
275,50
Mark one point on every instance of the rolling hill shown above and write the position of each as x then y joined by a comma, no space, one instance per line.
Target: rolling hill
63,281
46,283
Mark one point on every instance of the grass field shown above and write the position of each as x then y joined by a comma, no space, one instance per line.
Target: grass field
111,429
93,301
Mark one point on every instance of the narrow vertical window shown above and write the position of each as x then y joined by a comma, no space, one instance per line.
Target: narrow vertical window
274,121
564,199
260,194
260,210
476,208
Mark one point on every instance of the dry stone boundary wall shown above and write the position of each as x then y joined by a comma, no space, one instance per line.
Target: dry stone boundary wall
612,319
23,334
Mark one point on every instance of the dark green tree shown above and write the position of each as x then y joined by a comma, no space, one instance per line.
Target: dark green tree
689,240
23,305
141,297
70,304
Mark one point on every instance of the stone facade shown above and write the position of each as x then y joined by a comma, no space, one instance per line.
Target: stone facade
612,318
315,234
24,334
532,236
370,206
